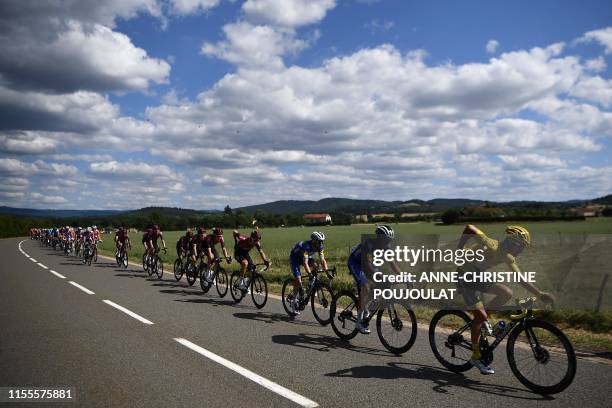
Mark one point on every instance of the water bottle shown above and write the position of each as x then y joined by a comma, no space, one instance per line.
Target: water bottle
499,328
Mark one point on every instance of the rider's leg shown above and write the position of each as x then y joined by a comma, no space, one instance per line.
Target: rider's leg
480,316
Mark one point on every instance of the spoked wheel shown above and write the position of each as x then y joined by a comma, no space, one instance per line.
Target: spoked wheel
320,302
221,281
449,338
178,269
145,264
259,290
125,260
95,255
344,315
396,326
159,268
541,357
237,294
191,273
288,297
204,276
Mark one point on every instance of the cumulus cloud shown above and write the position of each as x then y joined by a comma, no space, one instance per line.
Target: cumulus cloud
287,13
602,36
184,7
491,46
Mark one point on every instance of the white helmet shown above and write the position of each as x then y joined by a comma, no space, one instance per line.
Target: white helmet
385,230
317,236
94,227
88,229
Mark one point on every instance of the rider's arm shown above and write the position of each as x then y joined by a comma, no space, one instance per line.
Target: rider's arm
262,254
305,263
323,261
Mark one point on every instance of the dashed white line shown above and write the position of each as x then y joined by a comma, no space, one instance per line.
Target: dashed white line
33,260
42,266
59,275
128,312
264,382
83,288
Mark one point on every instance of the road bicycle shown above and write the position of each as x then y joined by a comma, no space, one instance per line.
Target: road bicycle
88,253
396,323
256,284
317,292
122,257
180,265
153,264
540,355
214,275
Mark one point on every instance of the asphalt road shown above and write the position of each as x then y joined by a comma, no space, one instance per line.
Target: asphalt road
171,345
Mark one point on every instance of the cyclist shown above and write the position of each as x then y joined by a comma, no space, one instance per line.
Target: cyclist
154,236
121,239
182,244
208,246
360,270
302,255
196,244
242,247
495,253
146,240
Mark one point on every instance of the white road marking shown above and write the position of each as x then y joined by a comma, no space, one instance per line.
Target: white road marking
264,382
42,266
128,312
83,288
59,275
33,260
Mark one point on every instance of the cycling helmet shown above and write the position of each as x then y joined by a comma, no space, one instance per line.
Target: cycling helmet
94,227
256,235
89,229
519,234
385,230
217,231
317,236
189,233
201,231
156,227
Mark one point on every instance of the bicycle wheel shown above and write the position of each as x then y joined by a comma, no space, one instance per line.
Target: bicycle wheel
221,282
541,357
344,314
259,290
159,268
191,273
236,293
95,253
287,297
204,283
145,264
320,302
396,326
449,338
125,260
178,269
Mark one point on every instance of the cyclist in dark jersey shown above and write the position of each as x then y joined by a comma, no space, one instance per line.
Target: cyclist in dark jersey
209,246
122,238
196,244
182,244
242,247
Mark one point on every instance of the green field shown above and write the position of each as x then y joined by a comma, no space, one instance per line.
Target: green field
277,242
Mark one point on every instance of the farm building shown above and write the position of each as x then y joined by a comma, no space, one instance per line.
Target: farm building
317,219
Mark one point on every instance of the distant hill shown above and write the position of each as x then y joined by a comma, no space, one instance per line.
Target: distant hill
48,213
605,200
168,212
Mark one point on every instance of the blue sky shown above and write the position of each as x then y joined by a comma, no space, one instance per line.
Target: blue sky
203,103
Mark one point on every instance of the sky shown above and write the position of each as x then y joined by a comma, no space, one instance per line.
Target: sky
199,104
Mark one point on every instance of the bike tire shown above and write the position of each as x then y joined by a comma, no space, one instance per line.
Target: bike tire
145,264
341,314
125,260
221,281
204,284
567,379
285,292
178,269
450,365
320,302
159,268
259,290
190,274
398,323
95,257
236,293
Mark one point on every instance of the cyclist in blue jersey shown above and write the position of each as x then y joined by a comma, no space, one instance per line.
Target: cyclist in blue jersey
302,255
360,267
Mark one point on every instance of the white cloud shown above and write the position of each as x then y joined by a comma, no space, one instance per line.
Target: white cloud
287,13
602,36
184,7
594,89
596,64
491,46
